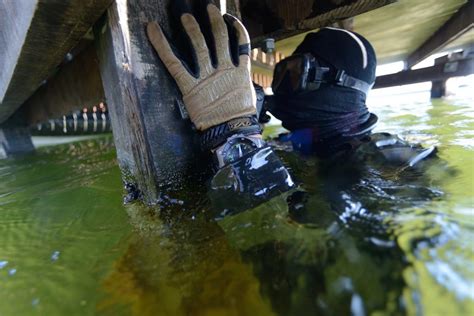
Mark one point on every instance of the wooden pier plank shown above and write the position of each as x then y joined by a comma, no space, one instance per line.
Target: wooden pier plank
283,19
461,22
76,85
36,43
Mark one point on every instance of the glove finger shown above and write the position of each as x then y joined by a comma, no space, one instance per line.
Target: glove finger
243,39
193,30
233,39
173,64
221,36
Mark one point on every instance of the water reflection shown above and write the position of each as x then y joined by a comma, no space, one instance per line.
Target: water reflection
60,227
180,265
435,239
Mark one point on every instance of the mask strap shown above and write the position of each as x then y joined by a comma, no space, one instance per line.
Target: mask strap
344,80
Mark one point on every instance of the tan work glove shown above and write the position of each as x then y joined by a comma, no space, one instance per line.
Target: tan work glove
216,95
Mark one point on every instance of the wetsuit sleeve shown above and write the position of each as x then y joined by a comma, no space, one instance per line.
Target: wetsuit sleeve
249,181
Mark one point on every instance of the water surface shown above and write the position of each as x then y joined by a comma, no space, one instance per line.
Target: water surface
381,241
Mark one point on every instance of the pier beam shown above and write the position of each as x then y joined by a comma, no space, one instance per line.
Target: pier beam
156,149
77,84
280,19
439,72
35,36
461,22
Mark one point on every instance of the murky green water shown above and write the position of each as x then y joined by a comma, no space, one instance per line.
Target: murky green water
379,241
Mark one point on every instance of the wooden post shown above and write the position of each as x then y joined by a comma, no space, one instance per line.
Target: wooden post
15,138
438,87
157,150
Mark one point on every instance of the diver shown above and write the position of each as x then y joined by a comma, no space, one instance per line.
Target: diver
319,95
309,257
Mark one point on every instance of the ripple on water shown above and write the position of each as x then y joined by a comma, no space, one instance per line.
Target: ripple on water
60,230
392,244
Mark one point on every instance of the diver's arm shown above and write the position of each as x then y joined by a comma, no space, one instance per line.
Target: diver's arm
248,173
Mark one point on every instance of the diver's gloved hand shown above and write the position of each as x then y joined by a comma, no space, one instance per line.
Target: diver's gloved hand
214,94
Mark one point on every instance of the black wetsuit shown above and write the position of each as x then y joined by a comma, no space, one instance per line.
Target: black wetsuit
261,175
325,247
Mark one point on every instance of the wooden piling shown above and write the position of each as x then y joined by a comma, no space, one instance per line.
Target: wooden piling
156,148
438,87
15,138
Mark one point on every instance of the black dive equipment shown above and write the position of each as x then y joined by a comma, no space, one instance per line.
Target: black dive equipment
302,73
321,105
247,182
237,147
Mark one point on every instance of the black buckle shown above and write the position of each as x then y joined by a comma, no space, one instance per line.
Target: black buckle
316,76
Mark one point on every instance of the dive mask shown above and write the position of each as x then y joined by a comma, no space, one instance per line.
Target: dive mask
302,73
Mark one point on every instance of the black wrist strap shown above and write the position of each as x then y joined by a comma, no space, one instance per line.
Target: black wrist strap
216,135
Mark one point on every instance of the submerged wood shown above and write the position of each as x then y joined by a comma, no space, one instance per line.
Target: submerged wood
15,141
